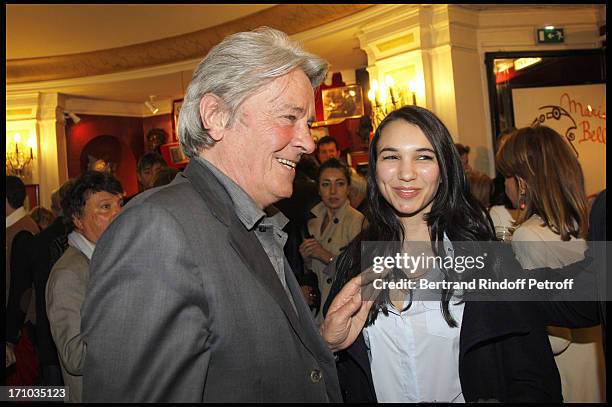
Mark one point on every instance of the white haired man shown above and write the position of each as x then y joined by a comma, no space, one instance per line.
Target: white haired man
209,310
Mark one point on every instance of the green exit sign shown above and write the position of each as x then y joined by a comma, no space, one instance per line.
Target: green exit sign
550,35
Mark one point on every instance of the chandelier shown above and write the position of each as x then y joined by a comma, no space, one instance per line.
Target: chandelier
388,97
19,157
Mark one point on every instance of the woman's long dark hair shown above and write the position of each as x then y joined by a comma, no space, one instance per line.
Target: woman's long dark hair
454,211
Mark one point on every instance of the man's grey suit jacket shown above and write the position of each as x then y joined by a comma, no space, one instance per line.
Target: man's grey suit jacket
183,305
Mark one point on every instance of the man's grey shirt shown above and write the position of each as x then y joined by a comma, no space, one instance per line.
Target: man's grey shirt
269,230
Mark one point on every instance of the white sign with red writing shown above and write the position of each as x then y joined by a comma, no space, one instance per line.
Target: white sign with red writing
578,113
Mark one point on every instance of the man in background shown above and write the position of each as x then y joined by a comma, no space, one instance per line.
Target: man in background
327,147
20,231
147,168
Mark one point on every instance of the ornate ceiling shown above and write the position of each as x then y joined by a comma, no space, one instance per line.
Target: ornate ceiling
291,18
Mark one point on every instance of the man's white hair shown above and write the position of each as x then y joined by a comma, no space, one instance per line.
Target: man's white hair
237,68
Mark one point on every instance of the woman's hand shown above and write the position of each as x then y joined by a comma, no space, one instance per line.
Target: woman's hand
348,312
313,249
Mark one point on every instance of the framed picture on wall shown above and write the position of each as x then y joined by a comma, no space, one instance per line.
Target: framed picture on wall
342,103
173,155
176,108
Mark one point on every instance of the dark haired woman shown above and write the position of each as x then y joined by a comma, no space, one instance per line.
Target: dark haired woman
402,349
334,225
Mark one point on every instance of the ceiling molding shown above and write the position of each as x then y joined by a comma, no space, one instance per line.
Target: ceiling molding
290,18
148,72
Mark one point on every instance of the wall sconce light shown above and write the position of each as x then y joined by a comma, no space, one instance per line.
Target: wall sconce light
389,97
149,104
74,117
19,158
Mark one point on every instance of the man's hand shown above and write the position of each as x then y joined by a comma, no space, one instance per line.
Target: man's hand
10,354
313,249
348,312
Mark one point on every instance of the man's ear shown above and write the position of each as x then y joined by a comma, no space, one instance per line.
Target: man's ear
214,114
77,222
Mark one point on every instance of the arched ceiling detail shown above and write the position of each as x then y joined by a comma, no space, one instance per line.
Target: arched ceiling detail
290,18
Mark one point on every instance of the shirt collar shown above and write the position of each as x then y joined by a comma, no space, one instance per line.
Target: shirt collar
81,243
275,218
248,212
320,210
15,217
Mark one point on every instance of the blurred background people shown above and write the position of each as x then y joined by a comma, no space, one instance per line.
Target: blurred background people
480,187
42,216
297,209
305,192
597,233
155,138
90,206
334,225
464,155
19,300
502,211
147,168
358,192
327,147
165,176
545,181
50,245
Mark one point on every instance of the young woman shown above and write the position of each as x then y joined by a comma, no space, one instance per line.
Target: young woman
425,351
334,225
544,180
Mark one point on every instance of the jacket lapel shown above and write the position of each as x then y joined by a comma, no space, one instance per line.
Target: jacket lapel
255,258
314,342
244,242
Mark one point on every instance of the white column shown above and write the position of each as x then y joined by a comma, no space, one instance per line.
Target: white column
52,141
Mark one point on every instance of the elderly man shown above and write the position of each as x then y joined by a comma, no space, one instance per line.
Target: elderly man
190,297
90,205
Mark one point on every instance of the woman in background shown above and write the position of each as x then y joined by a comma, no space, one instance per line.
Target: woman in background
544,180
334,225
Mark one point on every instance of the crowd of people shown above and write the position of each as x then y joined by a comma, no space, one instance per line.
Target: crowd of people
242,278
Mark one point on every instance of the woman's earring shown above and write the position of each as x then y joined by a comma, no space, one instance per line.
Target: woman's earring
522,200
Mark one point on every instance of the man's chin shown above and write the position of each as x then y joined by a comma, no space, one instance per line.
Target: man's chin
283,194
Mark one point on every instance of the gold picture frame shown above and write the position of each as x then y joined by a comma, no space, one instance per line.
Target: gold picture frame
342,103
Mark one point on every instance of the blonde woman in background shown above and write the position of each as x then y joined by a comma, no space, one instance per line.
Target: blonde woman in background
545,182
